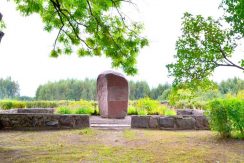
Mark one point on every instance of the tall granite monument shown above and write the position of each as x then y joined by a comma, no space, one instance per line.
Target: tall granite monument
112,94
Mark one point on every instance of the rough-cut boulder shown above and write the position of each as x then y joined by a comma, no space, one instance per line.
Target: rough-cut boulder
140,121
36,110
191,112
167,122
112,94
201,122
184,112
153,122
185,123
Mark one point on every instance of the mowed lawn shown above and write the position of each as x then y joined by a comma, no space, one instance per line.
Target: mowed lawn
91,145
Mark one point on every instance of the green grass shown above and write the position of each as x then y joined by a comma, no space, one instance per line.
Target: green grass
90,145
129,134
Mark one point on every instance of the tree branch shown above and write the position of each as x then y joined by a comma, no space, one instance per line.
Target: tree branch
59,32
230,62
57,7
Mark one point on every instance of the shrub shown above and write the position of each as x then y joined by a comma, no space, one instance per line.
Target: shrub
64,110
142,112
240,95
6,105
83,110
41,104
169,112
81,103
160,110
84,107
10,104
149,105
146,106
80,107
96,111
198,104
227,116
132,110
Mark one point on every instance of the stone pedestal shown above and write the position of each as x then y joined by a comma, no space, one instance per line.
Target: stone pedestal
112,94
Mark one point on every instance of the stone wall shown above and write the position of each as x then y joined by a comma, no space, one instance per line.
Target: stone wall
43,121
191,112
170,122
29,110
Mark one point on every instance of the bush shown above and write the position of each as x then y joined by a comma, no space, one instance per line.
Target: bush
240,95
79,107
96,111
142,112
152,107
132,110
6,105
227,116
146,106
41,104
64,110
169,112
10,104
84,111
84,107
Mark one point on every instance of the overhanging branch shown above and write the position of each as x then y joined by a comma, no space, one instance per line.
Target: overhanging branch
230,63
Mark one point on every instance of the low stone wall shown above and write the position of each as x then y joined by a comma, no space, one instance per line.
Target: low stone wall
190,112
43,121
29,110
36,110
170,122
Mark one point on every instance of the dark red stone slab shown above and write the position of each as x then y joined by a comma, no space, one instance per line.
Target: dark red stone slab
112,94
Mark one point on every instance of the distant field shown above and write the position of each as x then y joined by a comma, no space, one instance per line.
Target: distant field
118,146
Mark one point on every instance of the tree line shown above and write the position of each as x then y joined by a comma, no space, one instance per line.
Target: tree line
72,89
8,88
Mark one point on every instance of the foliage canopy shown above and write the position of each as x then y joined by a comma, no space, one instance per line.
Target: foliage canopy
205,45
91,28
8,88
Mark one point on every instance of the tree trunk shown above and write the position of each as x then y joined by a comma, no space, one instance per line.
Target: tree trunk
1,33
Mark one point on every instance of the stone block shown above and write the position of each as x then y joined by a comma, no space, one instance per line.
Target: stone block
36,110
112,94
201,123
140,121
185,123
167,122
184,112
154,122
197,112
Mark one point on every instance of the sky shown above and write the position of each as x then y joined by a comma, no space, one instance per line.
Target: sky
25,48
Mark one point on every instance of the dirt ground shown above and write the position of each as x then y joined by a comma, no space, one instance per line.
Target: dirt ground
129,145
